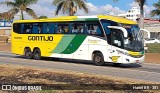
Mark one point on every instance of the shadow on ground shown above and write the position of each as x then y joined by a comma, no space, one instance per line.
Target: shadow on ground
86,62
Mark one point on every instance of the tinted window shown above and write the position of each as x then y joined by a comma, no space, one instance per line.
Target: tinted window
115,38
62,28
77,27
94,28
17,27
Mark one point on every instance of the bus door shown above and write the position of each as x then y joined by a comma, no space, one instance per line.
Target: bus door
117,45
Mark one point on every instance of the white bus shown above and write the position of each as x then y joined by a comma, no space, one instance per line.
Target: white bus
97,38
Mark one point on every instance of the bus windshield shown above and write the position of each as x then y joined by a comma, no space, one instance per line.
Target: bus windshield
134,41
135,38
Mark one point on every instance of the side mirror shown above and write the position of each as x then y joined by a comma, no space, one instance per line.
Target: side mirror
126,41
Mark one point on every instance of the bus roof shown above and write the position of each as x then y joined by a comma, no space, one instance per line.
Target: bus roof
81,18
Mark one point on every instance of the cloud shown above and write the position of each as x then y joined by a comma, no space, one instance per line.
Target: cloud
96,10
44,7
147,9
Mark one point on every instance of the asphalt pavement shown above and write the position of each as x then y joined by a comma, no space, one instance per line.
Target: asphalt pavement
145,71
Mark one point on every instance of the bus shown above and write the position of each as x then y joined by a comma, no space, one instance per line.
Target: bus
100,39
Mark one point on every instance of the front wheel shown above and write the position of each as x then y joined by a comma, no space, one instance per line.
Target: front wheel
37,54
98,59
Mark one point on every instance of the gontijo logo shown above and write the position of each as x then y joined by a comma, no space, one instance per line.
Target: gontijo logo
40,38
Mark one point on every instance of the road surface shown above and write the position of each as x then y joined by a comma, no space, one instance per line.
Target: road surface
146,72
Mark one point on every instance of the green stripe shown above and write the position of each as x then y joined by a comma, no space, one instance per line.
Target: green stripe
75,44
65,41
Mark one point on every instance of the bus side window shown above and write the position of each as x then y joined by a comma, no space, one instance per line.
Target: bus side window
40,28
63,28
70,28
77,28
17,27
94,28
22,28
55,28
44,28
28,28
107,30
35,29
116,38
51,28
74,28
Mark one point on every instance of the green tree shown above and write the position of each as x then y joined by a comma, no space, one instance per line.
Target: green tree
21,6
141,5
69,6
42,17
156,11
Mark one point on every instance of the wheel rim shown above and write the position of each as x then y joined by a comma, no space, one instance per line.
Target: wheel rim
36,55
28,54
98,59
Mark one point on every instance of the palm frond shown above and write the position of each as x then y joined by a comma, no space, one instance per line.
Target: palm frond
59,7
13,11
157,5
82,5
31,13
70,5
10,4
156,12
56,2
65,6
29,2
6,16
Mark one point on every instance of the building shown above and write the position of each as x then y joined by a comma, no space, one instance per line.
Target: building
153,26
5,27
132,14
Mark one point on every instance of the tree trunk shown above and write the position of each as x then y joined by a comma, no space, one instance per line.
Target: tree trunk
141,21
22,15
71,12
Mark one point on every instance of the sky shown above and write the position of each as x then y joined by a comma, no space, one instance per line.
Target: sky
44,7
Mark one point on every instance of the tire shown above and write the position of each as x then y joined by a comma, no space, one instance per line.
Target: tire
28,53
98,59
37,54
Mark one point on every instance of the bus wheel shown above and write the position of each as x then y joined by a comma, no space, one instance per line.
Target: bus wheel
98,59
28,53
37,54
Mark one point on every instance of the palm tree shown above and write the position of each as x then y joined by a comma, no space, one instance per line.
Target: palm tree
70,6
156,12
21,6
141,5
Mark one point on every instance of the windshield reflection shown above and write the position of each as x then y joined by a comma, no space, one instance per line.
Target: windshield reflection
135,38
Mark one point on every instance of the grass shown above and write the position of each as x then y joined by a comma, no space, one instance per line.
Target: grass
153,48
10,74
